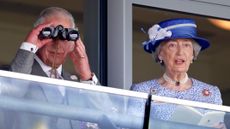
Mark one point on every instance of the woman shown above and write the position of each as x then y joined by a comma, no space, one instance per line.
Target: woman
175,45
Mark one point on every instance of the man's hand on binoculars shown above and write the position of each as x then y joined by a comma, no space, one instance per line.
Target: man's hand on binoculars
32,37
80,61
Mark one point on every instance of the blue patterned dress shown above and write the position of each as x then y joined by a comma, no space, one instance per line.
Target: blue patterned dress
164,111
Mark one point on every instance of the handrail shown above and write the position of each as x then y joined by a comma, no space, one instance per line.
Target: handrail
190,103
72,84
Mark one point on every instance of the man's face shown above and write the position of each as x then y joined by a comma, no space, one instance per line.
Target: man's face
54,52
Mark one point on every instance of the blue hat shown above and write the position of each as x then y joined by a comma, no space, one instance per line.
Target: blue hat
173,29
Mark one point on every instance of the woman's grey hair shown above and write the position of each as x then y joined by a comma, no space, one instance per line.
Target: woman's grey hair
51,11
196,51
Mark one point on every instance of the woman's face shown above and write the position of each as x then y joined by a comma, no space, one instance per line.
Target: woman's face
177,55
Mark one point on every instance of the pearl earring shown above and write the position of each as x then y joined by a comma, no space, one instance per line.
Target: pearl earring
161,61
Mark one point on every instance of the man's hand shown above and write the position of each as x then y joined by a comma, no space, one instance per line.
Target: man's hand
80,61
32,37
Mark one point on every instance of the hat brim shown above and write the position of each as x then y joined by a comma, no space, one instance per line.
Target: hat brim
201,41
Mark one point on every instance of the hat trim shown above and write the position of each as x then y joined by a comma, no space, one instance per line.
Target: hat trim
180,25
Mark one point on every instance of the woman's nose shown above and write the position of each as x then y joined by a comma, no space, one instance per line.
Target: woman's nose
179,49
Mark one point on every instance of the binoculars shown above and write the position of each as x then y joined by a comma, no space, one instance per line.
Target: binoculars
59,32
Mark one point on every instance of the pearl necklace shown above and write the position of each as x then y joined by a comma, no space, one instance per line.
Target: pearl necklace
177,83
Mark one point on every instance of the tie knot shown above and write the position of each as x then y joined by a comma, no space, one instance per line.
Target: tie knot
53,73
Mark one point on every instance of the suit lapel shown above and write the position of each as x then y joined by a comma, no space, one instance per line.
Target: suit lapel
66,75
37,70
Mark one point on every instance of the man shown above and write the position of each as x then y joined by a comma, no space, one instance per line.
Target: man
38,56
44,57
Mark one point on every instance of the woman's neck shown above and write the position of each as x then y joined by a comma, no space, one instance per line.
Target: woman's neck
176,75
181,82
176,79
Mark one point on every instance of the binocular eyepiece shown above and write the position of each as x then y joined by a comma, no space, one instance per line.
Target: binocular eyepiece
59,32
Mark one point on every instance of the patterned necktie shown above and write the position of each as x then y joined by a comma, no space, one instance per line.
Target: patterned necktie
53,73
62,123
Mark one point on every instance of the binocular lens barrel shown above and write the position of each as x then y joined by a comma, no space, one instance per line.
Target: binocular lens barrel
46,33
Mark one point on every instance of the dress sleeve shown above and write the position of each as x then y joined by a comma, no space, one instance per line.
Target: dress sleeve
217,96
133,87
136,106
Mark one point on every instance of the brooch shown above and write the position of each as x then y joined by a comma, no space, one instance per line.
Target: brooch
153,91
206,92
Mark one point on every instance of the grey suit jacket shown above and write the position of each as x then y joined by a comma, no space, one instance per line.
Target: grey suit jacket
24,63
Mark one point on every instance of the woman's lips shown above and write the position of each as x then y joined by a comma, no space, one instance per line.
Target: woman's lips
179,61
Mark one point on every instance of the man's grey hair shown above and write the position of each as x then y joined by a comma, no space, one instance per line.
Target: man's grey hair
196,51
51,11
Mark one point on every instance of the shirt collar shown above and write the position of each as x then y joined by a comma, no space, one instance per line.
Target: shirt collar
47,68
